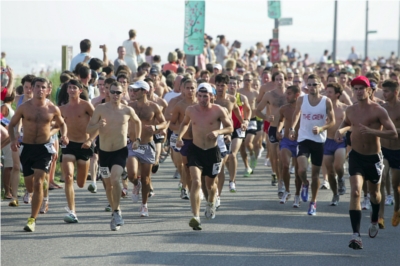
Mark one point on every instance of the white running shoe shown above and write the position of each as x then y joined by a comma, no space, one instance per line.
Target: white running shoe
144,211
260,152
210,210
232,186
267,162
285,197
217,202
365,204
118,218
136,191
389,200
291,170
325,185
296,202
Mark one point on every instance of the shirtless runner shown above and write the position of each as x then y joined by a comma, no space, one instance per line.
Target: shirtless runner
152,121
110,120
36,149
204,156
76,114
365,159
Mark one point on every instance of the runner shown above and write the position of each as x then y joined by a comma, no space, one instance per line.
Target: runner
76,114
252,128
335,153
316,117
365,158
152,121
273,100
288,147
391,151
37,115
110,121
204,156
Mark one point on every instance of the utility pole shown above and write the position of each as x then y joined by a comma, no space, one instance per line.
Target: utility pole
334,33
398,44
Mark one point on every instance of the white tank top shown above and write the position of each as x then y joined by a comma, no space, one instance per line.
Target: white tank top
312,116
130,50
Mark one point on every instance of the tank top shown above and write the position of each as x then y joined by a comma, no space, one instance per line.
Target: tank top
10,111
21,100
236,122
312,116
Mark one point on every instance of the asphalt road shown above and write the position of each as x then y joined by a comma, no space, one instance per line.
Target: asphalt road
250,228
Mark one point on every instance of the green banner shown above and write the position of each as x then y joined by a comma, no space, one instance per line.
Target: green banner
274,9
194,27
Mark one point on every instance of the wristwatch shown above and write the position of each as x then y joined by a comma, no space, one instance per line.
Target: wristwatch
138,139
291,129
156,127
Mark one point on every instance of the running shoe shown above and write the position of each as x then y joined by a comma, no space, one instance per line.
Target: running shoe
30,225
342,186
304,192
195,223
355,242
274,181
281,191
113,225
70,217
335,200
253,162
365,204
210,210
180,186
260,152
325,185
154,168
136,191
27,197
44,207
232,186
296,202
389,200
118,218
144,211
217,202
124,192
108,208
291,170
13,203
92,188
124,174
381,223
267,162
248,172
286,195
201,195
176,174
373,230
396,218
184,194
312,209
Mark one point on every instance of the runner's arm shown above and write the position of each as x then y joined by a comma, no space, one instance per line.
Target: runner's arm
296,113
184,125
136,128
330,116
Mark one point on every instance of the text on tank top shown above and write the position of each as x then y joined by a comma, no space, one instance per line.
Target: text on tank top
312,116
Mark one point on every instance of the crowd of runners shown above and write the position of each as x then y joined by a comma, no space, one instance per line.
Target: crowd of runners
118,121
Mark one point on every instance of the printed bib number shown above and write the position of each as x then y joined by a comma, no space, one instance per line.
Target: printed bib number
159,136
173,139
50,148
252,125
216,168
240,133
104,172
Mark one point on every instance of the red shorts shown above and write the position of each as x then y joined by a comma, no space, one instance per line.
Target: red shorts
266,126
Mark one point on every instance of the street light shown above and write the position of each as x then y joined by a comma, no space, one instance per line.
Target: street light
366,33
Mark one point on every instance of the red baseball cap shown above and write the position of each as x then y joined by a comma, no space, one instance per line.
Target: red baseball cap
360,80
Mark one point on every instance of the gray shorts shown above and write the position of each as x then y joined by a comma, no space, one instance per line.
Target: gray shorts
145,153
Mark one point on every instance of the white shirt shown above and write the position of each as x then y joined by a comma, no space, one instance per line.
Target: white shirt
312,116
77,59
169,95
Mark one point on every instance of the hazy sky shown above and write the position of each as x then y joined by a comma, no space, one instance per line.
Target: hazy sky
40,26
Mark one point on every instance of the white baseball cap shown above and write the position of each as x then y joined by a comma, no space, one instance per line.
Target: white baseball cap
206,86
140,84
218,66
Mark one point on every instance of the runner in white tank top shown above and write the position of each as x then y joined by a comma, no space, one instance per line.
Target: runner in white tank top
316,114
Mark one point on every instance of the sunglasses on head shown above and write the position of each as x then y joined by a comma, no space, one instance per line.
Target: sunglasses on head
313,85
115,92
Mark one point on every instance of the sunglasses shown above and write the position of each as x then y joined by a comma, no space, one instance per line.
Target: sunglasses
115,92
313,85
248,80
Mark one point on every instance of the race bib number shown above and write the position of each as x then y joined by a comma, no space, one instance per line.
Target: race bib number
173,139
252,125
62,146
141,149
240,133
159,136
216,168
50,148
104,172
